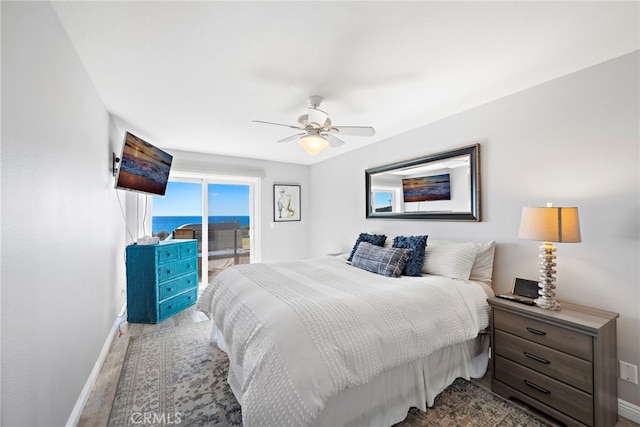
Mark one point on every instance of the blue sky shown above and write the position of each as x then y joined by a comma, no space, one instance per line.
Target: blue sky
382,199
185,199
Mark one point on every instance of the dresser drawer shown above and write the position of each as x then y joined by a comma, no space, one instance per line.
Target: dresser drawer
179,302
549,335
173,270
561,366
560,396
189,250
168,253
175,287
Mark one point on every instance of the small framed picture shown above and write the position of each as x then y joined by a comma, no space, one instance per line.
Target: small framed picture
286,202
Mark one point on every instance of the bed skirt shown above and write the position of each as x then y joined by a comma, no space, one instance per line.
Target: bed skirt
387,398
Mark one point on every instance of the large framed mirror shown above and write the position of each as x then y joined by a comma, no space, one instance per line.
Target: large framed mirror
441,186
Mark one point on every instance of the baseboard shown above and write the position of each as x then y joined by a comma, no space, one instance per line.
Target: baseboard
629,411
93,376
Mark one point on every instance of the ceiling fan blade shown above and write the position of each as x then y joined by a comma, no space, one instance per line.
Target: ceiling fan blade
292,137
354,130
277,124
318,117
333,141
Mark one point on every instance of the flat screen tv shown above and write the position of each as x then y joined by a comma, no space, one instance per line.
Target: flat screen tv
427,188
143,167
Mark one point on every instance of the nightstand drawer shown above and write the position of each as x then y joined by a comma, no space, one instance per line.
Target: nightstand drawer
552,336
560,396
177,303
561,366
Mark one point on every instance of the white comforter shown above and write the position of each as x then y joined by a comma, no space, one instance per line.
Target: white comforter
303,331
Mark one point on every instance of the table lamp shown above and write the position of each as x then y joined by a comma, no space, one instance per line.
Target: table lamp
549,224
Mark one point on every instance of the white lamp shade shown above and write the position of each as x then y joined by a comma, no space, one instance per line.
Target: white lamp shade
550,224
313,144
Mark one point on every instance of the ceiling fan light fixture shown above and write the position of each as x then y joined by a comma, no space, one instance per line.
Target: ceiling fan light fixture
313,144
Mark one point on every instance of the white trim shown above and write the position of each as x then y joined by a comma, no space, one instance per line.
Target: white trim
93,376
629,411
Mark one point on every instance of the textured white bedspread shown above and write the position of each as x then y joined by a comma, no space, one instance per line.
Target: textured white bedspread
304,331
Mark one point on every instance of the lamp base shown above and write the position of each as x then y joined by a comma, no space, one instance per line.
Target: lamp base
547,303
547,280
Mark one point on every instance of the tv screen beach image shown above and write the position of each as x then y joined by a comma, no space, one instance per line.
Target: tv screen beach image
143,167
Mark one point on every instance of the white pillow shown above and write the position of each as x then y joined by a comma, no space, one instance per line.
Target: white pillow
482,270
453,260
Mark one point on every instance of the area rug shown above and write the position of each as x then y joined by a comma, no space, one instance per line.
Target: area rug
178,377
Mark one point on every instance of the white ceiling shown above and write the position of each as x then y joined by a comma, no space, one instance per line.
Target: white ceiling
192,75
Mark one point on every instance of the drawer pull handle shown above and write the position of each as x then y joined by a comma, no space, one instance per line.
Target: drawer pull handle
537,387
168,289
168,271
536,358
535,331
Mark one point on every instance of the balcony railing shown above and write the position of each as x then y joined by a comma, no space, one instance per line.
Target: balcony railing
228,244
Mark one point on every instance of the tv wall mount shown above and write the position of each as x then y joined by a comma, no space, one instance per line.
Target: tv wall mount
114,163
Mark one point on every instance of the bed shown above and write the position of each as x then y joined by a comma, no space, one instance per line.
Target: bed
331,342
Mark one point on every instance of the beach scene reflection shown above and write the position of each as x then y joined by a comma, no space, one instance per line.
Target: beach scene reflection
427,188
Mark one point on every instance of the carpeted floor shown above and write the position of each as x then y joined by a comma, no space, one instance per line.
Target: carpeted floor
178,376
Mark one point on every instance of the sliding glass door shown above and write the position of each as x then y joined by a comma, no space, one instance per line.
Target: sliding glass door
221,211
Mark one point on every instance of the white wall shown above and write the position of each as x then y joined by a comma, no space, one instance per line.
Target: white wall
573,141
62,230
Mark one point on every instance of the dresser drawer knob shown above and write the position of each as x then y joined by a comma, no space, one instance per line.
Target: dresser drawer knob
537,387
536,358
535,331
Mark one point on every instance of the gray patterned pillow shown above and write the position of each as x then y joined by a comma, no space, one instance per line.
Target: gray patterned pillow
385,261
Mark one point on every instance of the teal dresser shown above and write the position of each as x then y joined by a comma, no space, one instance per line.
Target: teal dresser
162,280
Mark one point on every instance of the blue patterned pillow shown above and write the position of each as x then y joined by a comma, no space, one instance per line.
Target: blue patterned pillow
417,244
386,261
374,239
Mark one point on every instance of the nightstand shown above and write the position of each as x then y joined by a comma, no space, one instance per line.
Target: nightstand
563,363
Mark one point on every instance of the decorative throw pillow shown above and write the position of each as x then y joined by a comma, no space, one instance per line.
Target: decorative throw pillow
417,244
374,239
386,261
450,260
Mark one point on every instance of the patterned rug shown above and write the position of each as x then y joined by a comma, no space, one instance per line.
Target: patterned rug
178,377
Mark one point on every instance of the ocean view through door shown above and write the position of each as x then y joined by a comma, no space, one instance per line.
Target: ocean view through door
221,211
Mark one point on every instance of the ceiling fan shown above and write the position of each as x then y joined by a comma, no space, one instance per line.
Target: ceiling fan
319,133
